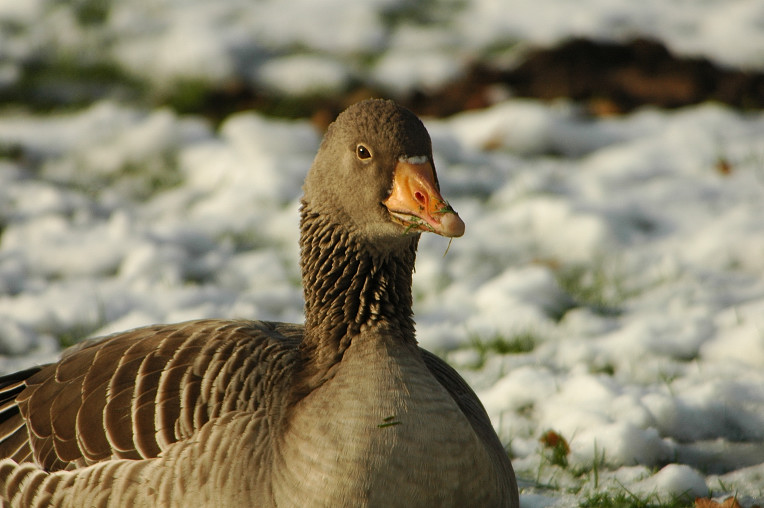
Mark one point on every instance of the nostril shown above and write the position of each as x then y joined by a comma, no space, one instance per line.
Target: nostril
420,197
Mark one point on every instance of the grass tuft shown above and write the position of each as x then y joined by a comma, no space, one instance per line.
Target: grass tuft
74,334
91,12
519,343
592,287
626,499
68,82
522,342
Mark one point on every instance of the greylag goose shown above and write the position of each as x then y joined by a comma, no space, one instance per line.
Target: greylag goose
346,410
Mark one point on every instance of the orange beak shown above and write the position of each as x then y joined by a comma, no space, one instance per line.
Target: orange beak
416,203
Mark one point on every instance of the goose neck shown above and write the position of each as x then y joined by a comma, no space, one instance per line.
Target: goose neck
351,287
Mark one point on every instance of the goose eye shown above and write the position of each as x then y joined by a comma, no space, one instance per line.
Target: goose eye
362,152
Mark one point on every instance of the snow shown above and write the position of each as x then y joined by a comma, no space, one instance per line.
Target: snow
672,481
303,75
628,251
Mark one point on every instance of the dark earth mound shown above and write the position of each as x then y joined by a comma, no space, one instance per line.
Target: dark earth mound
603,77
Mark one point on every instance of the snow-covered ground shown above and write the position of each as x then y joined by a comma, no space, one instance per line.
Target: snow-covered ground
610,286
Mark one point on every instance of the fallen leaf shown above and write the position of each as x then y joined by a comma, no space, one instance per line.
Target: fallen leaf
705,502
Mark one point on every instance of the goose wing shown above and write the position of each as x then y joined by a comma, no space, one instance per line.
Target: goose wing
132,394
473,409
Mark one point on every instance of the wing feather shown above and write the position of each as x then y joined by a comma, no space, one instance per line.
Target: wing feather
133,394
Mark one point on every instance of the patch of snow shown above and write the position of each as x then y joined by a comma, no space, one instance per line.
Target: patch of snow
673,481
302,75
406,70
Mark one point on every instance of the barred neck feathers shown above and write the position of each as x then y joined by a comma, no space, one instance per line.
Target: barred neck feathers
350,287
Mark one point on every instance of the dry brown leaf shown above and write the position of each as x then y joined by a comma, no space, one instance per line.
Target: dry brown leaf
705,502
552,439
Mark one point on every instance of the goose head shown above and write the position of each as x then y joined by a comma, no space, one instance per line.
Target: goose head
374,173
